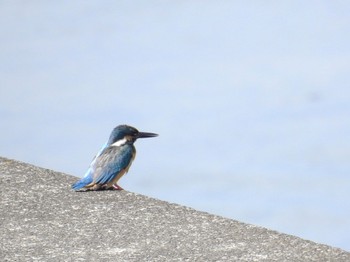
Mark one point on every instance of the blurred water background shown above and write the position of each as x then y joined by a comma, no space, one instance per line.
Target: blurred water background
251,100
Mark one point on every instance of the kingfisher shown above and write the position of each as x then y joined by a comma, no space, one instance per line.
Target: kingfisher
113,160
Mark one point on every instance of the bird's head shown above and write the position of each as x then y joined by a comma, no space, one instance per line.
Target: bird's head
124,134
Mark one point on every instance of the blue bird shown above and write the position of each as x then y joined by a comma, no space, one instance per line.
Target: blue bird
113,160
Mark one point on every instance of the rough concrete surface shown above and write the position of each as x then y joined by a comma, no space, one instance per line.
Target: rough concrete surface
42,219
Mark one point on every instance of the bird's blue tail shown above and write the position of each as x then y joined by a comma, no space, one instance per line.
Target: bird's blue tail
82,182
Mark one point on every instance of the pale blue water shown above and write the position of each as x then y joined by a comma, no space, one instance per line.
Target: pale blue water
251,101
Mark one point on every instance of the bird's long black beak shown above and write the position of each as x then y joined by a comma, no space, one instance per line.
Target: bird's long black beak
146,134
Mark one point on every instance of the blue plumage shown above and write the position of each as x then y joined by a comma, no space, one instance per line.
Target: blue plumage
82,182
113,160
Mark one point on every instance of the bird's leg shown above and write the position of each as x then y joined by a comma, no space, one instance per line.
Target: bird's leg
117,187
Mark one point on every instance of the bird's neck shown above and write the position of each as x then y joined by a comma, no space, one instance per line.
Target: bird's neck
120,142
123,141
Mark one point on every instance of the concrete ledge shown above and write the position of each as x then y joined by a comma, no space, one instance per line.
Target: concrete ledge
42,219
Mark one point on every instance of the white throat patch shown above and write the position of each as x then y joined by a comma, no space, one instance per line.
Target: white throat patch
120,142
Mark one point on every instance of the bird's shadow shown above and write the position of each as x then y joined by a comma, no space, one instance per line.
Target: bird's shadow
98,190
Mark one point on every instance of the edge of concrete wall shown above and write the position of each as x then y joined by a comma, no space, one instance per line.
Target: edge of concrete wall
43,219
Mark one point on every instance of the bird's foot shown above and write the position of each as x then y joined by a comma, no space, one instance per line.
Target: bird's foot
117,187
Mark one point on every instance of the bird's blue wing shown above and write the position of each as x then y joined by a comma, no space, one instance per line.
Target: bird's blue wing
88,177
111,162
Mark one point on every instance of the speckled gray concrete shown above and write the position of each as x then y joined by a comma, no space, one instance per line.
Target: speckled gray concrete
42,219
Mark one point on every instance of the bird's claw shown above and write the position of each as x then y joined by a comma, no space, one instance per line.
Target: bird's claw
117,187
